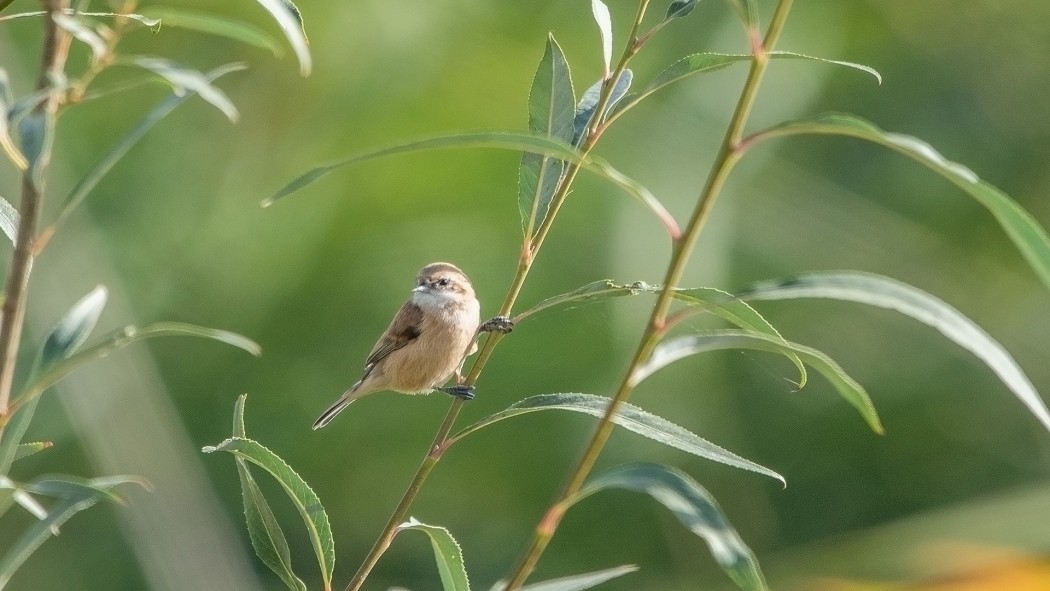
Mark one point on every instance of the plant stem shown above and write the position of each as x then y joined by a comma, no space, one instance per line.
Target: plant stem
728,156
530,249
12,313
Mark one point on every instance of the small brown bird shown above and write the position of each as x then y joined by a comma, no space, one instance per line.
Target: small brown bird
426,343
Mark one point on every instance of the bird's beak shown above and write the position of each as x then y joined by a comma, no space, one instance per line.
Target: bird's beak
420,288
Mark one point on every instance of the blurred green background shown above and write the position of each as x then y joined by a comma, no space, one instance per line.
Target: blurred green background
960,483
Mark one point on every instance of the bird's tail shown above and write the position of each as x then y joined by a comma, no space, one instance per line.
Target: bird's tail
343,402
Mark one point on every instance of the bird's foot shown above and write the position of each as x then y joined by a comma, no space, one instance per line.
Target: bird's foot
461,391
500,324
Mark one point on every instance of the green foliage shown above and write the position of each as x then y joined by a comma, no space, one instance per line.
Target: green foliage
447,552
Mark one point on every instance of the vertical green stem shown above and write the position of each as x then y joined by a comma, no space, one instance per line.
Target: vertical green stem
727,157
12,313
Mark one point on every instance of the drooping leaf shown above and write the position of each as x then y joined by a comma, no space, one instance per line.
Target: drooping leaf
575,582
551,102
57,515
711,62
288,17
74,328
83,33
1025,232
589,103
502,140
678,348
214,25
604,20
110,159
144,20
629,417
447,552
118,340
28,449
876,290
37,132
694,507
185,81
266,535
716,301
680,8
302,496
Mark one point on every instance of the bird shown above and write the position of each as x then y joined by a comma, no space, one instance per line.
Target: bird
426,343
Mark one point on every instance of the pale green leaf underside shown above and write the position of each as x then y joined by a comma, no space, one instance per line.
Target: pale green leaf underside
716,301
185,81
1025,232
523,142
213,25
629,417
447,553
670,351
876,290
289,19
302,496
575,582
74,328
694,507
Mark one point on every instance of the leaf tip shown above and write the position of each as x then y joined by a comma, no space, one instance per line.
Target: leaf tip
209,449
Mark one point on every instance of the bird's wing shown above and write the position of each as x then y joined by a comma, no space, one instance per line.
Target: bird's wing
403,329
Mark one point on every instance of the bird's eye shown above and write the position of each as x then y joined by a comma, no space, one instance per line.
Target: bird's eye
443,282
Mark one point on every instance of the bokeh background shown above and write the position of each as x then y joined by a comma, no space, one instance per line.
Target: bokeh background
958,488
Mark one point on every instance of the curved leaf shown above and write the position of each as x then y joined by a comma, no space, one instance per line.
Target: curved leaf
110,159
680,8
447,552
28,449
502,140
83,33
589,103
290,20
670,351
694,507
118,340
79,498
1025,232
74,328
268,540
876,290
629,417
213,25
302,496
7,144
604,20
186,81
551,104
9,218
716,301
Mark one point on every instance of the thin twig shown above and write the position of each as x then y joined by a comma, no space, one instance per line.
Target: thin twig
727,158
12,313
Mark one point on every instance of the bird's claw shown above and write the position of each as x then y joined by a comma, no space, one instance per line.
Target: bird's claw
462,391
500,324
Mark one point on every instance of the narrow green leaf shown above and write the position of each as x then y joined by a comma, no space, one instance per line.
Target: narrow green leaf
214,25
502,140
185,81
575,582
74,327
589,103
680,8
629,417
670,351
604,20
290,20
15,429
876,290
9,219
721,303
118,340
118,151
266,535
711,62
447,552
39,532
83,33
694,507
146,21
1025,232
28,449
551,103
65,486
309,506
